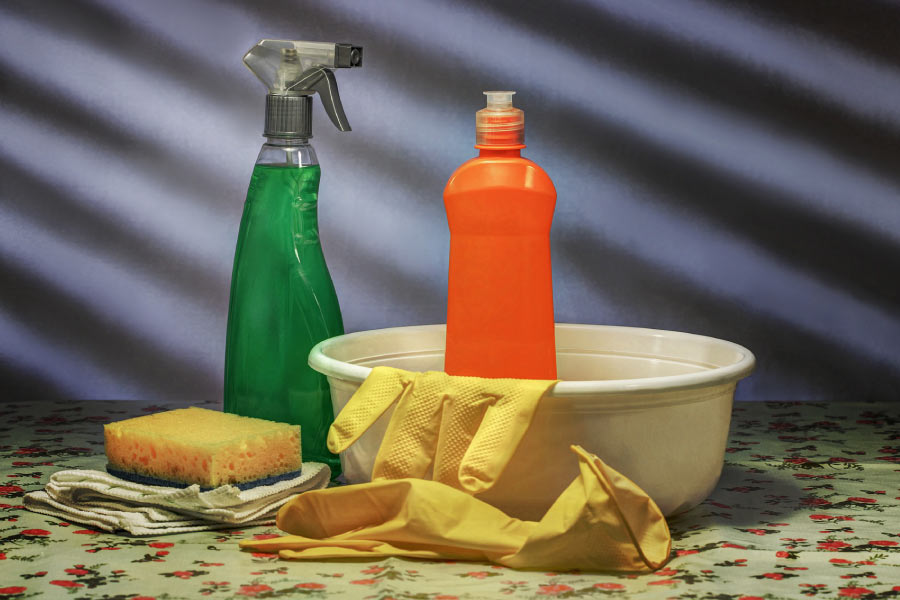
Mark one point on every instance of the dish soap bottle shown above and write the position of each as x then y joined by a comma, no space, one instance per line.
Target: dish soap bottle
282,298
500,291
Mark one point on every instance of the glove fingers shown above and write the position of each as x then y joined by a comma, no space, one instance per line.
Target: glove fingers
498,435
463,415
376,394
605,512
407,449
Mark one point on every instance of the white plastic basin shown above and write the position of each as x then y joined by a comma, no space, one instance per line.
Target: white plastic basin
655,405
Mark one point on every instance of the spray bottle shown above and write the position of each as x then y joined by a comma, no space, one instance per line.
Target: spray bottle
500,291
283,301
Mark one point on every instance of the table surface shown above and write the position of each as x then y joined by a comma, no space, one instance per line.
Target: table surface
808,506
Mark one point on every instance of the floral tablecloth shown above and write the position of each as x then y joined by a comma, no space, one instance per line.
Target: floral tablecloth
808,506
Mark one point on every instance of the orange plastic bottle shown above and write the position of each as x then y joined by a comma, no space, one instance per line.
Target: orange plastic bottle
500,290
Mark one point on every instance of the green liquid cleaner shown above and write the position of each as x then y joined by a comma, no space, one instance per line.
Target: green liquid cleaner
282,304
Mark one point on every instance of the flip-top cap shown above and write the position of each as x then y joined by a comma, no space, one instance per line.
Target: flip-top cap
499,123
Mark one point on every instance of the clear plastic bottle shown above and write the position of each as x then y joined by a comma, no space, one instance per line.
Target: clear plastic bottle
283,301
500,291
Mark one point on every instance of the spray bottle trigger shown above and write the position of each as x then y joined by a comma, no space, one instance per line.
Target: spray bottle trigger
322,80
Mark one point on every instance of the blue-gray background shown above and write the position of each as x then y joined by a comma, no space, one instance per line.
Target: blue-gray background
724,168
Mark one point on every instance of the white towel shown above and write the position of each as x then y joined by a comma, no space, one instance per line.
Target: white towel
104,501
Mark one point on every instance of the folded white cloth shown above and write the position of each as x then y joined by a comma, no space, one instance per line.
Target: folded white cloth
104,501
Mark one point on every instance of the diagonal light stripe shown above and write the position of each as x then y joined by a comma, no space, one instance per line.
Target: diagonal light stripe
160,316
119,188
859,83
713,259
68,370
670,118
135,100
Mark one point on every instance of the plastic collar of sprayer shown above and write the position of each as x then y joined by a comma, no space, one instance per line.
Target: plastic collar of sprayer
293,71
288,116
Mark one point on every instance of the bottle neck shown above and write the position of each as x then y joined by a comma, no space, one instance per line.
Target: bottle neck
287,152
501,152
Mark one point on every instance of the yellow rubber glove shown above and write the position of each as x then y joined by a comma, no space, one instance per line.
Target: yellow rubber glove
602,521
465,428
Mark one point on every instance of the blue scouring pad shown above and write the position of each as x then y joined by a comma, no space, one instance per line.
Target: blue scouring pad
246,485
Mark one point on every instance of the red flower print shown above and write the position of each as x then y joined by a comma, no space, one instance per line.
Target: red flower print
77,571
265,536
143,598
183,574
666,572
609,586
35,532
64,583
446,597
2,555
782,554
883,543
840,561
363,581
854,592
728,545
8,490
373,570
775,576
757,531
85,532
864,500
162,553
252,590
8,591
264,555
841,459
814,502
28,450
832,545
663,582
750,598
554,589
796,460
310,586
161,544
475,574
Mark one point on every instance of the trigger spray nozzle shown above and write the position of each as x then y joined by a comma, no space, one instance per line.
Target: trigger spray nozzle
293,71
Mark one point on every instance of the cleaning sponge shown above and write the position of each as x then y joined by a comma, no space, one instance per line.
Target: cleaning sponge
206,447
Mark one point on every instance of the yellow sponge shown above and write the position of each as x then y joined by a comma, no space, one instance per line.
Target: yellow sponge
207,447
